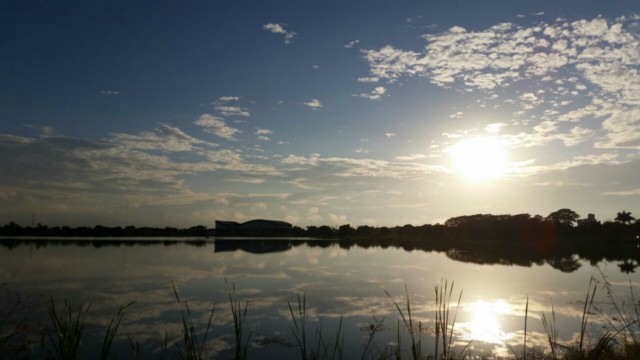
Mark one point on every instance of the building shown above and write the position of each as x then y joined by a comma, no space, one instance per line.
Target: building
257,227
591,219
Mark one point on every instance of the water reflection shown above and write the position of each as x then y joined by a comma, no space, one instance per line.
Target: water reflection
339,279
486,321
564,256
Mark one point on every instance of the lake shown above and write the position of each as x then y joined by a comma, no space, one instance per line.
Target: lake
357,283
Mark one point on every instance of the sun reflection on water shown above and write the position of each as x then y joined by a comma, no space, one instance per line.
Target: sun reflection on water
484,324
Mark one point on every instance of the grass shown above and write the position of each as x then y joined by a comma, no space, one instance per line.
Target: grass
239,315
63,338
320,347
193,346
68,327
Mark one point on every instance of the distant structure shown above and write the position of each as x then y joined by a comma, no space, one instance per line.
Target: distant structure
257,227
591,219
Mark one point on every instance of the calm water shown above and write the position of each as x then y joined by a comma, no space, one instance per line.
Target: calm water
336,281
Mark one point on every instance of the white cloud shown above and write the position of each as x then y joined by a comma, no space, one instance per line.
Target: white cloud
279,29
224,108
390,134
300,160
351,44
165,138
494,128
369,79
337,219
456,115
314,104
632,192
375,94
263,131
585,71
216,126
411,157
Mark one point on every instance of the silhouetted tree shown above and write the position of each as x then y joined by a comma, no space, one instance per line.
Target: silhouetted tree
563,217
624,217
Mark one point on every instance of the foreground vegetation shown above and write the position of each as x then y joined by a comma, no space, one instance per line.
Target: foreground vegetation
61,334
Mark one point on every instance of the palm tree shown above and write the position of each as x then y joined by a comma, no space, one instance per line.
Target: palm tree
624,217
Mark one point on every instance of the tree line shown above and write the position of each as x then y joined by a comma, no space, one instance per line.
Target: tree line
561,224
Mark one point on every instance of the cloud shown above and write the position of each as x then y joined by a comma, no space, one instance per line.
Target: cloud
375,94
632,192
164,138
456,115
314,104
216,126
369,79
263,131
411,157
337,219
110,92
351,44
390,134
279,29
226,106
585,71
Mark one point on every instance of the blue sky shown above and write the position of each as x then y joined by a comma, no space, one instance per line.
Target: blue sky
316,112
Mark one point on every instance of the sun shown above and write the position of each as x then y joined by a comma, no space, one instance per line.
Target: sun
480,158
485,322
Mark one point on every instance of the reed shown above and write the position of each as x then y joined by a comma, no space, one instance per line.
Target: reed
552,331
239,314
193,346
68,327
372,329
415,336
322,348
112,329
444,293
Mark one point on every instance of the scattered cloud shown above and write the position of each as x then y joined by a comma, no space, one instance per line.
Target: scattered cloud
368,79
351,44
632,192
263,134
390,134
263,131
588,67
494,128
279,29
164,138
110,92
216,126
227,106
375,94
314,104
411,157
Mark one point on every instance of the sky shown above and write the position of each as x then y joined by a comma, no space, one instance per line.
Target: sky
376,112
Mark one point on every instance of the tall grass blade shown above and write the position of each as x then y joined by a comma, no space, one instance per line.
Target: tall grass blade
408,323
526,316
551,330
68,328
111,331
239,314
193,346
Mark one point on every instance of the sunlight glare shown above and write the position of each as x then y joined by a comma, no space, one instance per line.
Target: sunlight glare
485,325
480,158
